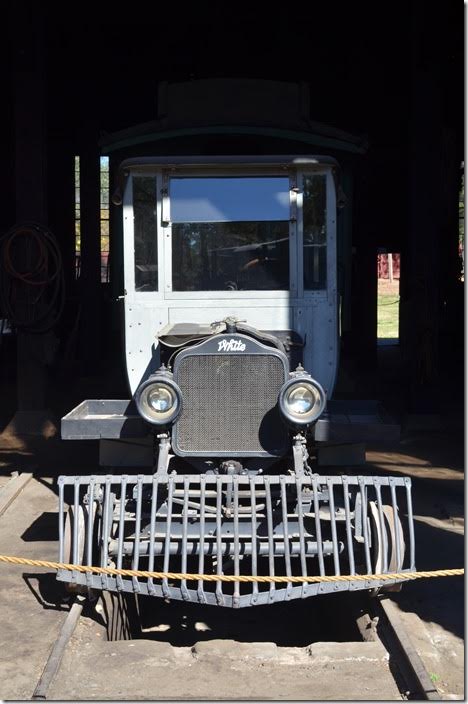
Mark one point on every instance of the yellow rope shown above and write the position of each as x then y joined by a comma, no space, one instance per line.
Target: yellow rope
112,571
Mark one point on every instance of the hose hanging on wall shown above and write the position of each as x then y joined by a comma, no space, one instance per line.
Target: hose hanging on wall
32,285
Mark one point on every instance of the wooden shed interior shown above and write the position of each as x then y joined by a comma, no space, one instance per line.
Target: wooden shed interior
380,87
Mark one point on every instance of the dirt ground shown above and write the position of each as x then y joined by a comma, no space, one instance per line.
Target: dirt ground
433,610
388,288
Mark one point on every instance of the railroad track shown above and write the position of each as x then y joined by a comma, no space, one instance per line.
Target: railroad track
380,620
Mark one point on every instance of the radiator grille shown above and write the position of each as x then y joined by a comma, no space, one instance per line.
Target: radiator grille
229,404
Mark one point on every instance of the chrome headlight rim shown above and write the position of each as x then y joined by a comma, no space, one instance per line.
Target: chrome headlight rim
148,412
316,410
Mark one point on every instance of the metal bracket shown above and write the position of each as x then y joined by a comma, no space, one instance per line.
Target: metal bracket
358,534
300,454
163,453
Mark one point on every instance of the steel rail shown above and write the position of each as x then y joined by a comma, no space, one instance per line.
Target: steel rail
399,644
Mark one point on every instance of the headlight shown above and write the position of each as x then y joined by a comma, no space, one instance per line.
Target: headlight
302,400
159,399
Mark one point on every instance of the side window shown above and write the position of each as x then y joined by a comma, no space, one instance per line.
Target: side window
145,233
314,218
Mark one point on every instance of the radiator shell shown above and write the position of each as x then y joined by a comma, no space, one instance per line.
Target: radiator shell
230,386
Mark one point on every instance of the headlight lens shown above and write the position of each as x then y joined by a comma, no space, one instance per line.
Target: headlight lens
159,401
302,400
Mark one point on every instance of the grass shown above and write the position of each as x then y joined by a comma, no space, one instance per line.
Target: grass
387,315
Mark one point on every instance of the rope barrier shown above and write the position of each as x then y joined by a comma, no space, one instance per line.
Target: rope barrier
113,571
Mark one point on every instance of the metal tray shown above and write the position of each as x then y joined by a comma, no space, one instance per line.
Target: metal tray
101,418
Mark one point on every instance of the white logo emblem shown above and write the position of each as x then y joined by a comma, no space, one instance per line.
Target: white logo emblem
231,346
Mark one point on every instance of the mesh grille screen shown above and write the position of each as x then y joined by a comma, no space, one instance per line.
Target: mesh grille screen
230,404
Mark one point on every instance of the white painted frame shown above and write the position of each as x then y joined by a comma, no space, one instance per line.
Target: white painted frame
313,314
331,248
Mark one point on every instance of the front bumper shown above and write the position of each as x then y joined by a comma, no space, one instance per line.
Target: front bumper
235,524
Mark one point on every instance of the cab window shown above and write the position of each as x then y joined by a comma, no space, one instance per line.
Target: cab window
230,233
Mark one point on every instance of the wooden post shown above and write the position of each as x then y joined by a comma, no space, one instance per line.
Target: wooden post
364,292
33,350
90,246
61,186
420,277
390,267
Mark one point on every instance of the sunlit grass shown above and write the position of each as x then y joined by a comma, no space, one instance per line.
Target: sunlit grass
387,316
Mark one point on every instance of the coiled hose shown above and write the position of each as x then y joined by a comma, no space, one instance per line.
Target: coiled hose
32,283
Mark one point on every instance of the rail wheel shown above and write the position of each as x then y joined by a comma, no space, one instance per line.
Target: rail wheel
79,523
387,543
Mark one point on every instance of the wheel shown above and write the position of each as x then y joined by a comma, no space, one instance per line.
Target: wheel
81,525
386,544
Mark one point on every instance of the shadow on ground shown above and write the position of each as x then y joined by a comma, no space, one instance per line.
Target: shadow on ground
295,624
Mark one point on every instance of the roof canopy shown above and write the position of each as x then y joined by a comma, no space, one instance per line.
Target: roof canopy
235,107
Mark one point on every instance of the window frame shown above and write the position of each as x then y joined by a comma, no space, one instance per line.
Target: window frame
279,294
295,174
129,239
330,240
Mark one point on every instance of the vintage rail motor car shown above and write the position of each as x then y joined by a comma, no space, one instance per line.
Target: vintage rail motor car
231,342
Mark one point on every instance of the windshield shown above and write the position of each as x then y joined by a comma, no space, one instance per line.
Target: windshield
230,233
